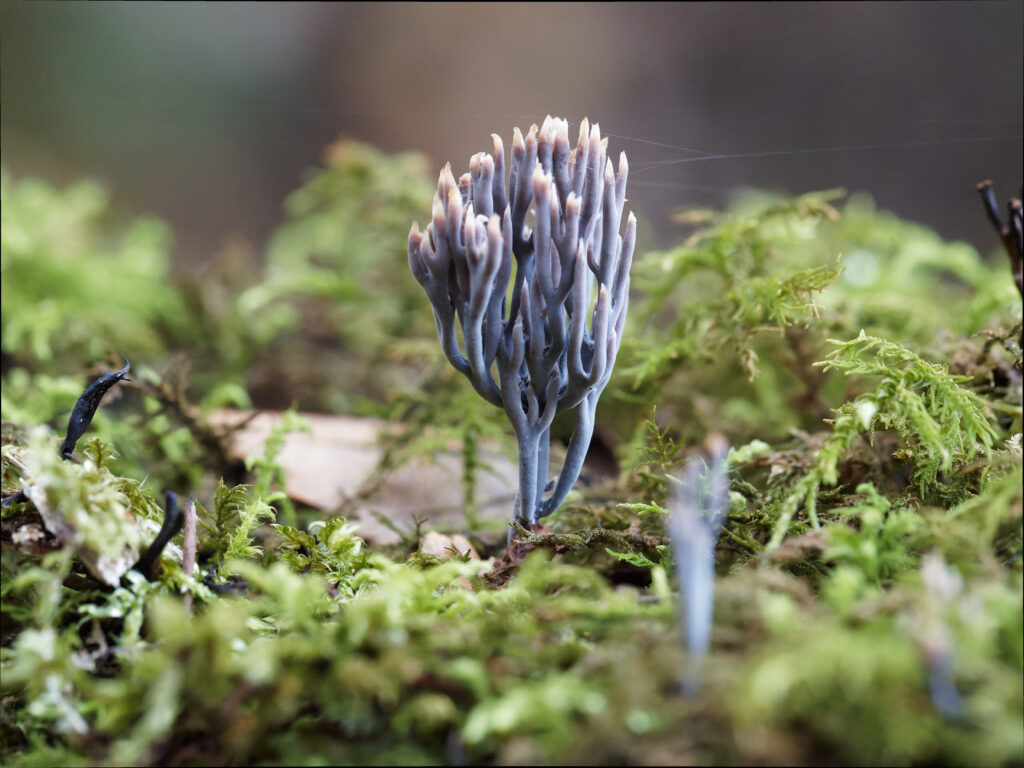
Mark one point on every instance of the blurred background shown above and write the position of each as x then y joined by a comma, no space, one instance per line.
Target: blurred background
208,115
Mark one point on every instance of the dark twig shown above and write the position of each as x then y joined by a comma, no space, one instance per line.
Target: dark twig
14,498
1011,233
236,585
988,197
1014,207
86,407
173,520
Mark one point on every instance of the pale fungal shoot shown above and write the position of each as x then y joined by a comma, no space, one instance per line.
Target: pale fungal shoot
697,512
549,344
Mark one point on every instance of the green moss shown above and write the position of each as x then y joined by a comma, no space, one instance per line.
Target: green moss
891,634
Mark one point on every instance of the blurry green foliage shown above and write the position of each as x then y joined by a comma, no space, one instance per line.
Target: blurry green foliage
737,292
729,281
905,283
76,286
727,325
343,240
336,268
818,679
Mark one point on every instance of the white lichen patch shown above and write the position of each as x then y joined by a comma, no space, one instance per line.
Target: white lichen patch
82,505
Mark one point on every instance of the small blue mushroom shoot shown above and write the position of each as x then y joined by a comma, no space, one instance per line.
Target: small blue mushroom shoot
697,511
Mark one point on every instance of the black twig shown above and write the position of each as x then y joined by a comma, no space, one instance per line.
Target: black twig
174,518
1011,232
14,498
988,197
86,407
